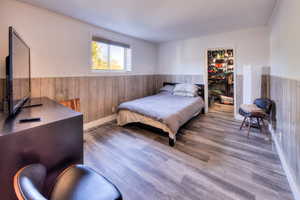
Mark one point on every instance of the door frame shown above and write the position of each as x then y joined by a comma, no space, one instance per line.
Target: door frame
206,77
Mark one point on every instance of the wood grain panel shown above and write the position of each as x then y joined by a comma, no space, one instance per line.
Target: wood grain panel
265,82
84,97
265,86
101,97
286,94
36,87
48,89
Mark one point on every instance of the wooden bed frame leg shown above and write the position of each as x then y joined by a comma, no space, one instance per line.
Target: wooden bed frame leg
172,142
203,111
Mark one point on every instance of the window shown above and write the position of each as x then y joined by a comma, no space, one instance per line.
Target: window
109,55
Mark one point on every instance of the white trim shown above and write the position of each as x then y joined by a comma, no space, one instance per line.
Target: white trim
112,71
291,179
103,74
99,122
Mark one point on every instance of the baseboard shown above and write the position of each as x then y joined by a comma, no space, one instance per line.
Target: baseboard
238,117
99,122
292,182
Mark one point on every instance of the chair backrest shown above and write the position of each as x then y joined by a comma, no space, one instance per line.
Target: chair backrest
29,181
265,104
73,104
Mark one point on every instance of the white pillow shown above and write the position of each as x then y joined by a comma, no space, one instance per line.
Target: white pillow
184,94
186,88
167,88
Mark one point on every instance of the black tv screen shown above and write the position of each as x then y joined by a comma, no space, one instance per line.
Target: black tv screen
17,72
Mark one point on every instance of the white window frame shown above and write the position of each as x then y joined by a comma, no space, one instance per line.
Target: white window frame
110,43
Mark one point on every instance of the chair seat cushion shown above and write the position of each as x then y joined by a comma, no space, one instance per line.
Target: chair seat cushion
251,109
80,182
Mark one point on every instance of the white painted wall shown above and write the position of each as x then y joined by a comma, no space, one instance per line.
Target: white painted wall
251,83
60,46
284,55
285,39
188,56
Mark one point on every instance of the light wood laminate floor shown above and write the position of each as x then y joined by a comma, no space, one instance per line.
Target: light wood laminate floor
212,160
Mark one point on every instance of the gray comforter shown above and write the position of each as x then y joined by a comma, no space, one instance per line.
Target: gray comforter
164,107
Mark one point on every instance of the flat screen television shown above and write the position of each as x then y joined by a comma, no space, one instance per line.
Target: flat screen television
17,73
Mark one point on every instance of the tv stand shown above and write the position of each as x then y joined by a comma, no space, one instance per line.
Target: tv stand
56,142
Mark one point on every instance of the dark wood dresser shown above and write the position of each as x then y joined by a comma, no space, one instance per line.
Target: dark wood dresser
56,142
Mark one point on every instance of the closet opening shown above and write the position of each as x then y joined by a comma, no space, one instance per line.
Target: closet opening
220,80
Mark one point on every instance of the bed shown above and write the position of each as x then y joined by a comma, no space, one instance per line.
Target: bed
164,110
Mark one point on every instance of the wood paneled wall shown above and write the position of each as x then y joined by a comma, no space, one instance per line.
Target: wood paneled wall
286,94
99,96
179,78
265,86
265,82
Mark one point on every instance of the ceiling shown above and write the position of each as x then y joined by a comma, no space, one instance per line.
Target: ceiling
165,20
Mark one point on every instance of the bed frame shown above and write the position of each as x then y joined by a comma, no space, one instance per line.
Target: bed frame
201,93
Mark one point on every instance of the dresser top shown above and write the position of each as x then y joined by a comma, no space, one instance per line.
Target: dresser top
49,112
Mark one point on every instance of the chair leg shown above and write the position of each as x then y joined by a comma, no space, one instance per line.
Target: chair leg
249,126
268,136
172,142
264,125
262,120
243,123
258,124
